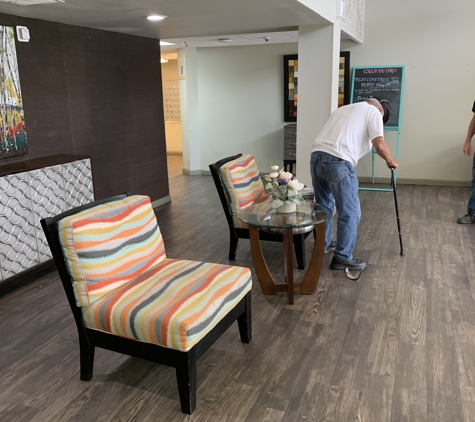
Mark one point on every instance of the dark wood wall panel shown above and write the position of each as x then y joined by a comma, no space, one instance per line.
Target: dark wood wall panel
143,104
44,89
96,93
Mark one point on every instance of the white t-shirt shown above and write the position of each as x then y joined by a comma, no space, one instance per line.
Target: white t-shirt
349,131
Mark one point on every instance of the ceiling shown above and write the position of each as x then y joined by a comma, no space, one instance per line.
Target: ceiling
199,23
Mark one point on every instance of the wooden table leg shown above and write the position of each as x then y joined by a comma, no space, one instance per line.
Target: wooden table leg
310,281
262,271
289,265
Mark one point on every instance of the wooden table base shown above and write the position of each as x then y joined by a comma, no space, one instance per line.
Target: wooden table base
310,280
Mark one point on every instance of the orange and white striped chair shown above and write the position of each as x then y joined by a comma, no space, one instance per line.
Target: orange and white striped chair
128,296
239,185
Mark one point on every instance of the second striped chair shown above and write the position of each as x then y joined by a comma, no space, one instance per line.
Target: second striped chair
239,185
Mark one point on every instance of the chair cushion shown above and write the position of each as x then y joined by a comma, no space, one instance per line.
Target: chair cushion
174,304
243,185
109,245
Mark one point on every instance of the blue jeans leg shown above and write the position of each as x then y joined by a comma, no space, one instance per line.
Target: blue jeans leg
471,201
335,179
322,193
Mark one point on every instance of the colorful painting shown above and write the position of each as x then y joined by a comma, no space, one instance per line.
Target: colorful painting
291,76
344,79
291,73
12,121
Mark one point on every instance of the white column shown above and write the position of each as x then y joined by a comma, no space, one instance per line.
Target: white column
188,83
319,56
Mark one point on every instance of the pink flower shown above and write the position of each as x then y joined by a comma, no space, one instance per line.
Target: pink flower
274,175
286,175
275,168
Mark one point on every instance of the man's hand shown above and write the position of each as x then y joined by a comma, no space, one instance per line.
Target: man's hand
392,164
382,149
467,148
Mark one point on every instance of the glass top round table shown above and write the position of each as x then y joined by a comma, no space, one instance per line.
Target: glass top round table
303,219
307,217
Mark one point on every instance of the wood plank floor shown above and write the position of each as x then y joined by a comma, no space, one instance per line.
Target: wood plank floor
398,345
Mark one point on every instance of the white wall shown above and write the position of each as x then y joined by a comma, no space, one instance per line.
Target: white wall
241,102
434,40
172,129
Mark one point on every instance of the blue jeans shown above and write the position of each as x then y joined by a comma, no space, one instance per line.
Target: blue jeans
334,183
471,201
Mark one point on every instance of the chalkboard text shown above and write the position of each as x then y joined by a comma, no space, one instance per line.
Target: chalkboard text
383,70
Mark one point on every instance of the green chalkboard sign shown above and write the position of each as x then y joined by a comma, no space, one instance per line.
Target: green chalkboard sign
384,82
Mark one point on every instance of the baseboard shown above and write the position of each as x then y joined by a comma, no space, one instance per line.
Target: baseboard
400,180
192,172
22,279
161,201
419,182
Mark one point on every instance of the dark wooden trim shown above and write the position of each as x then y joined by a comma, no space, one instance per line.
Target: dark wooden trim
20,280
39,163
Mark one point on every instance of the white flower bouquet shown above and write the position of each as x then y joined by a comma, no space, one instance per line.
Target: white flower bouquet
284,187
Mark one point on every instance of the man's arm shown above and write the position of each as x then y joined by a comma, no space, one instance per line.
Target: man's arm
467,146
382,149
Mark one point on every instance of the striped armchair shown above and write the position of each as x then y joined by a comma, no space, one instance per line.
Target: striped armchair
239,185
128,296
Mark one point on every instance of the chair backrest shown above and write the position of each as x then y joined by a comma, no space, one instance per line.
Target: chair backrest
241,183
106,245
215,172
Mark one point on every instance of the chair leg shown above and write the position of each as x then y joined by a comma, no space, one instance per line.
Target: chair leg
245,321
299,245
86,352
186,379
233,243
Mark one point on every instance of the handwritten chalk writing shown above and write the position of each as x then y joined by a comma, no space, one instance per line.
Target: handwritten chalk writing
384,70
380,79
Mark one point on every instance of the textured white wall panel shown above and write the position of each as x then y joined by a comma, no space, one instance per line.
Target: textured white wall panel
79,188
18,246
26,198
47,198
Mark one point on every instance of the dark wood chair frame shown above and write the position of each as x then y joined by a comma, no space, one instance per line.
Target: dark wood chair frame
183,362
243,233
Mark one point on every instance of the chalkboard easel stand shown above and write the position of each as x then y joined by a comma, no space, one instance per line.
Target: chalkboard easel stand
385,82
373,153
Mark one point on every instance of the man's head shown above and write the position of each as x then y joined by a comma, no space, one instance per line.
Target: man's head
384,107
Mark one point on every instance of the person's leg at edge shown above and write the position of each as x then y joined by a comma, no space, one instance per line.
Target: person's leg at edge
470,216
471,201
322,193
345,191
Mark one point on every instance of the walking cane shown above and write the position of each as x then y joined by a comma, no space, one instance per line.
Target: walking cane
397,211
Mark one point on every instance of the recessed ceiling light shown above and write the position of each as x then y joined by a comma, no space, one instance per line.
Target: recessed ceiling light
155,18
166,43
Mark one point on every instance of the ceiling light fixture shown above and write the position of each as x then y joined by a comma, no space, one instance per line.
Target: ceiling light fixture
162,60
156,18
166,43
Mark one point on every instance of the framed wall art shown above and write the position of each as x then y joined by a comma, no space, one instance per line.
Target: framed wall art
12,121
291,74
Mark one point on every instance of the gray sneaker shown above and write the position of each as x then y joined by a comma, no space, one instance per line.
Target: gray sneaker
331,247
352,264
466,219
